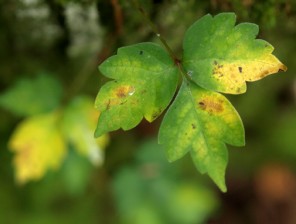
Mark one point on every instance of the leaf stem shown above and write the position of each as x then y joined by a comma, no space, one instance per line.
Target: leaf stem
183,72
155,30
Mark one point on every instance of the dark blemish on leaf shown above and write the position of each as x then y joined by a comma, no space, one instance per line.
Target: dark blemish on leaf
193,126
238,90
141,53
281,70
264,73
215,62
221,75
143,91
240,69
121,92
220,66
211,106
108,104
177,61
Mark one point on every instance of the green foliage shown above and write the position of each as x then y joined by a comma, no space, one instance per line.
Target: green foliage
140,72
40,141
154,195
28,97
203,128
217,56
221,57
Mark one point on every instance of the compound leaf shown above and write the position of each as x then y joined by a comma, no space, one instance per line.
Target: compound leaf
145,82
220,56
201,121
39,146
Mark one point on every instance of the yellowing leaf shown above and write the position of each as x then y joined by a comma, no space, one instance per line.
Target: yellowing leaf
79,123
220,56
201,122
38,146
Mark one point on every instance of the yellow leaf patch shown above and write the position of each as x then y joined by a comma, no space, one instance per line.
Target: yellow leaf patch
38,146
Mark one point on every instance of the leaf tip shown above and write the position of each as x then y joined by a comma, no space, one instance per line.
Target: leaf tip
283,68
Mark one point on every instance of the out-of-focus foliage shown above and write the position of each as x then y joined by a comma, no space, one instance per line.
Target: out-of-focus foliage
40,141
36,37
29,97
38,146
79,123
148,191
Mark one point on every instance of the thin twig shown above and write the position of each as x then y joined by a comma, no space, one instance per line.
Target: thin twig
155,30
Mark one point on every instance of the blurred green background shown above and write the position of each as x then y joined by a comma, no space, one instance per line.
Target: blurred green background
49,53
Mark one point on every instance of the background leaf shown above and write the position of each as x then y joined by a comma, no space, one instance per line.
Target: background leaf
154,195
221,57
145,82
79,123
38,145
32,96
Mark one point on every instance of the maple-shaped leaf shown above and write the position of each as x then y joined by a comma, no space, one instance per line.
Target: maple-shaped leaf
79,122
201,121
38,145
145,82
220,56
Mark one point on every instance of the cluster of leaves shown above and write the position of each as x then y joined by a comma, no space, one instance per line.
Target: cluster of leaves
41,140
218,57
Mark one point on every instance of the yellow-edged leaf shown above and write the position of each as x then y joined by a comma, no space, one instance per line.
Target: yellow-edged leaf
220,56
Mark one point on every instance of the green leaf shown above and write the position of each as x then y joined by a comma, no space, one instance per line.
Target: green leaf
218,57
29,97
145,82
201,121
78,124
222,57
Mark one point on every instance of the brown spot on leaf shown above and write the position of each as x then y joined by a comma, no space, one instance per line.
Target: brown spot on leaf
240,69
141,53
193,126
123,91
215,62
108,104
211,105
